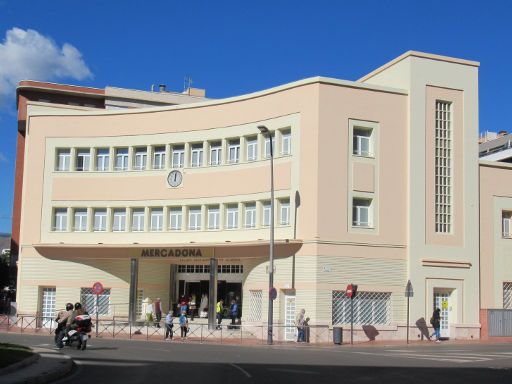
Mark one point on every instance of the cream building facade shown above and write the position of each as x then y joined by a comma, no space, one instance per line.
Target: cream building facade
376,184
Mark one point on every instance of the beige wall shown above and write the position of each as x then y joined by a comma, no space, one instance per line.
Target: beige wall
495,251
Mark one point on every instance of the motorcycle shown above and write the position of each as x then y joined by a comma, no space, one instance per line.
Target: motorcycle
79,332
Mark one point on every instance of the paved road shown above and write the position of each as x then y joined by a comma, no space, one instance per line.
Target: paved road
129,362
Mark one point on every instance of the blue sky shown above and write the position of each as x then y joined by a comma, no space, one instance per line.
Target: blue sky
234,47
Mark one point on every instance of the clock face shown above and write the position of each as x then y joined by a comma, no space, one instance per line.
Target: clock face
175,178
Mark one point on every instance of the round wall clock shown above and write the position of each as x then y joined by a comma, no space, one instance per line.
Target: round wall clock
175,178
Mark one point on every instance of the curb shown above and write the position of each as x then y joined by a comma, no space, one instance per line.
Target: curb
46,368
20,364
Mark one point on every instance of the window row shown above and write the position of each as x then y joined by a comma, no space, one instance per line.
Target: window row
225,268
199,154
156,219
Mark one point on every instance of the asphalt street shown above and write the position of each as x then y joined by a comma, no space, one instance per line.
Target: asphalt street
124,361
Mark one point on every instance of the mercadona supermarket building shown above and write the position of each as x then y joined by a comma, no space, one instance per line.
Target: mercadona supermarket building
376,183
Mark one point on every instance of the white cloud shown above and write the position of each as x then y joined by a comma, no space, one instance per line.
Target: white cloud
3,158
26,54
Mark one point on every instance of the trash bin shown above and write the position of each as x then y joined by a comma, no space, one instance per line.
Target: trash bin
337,335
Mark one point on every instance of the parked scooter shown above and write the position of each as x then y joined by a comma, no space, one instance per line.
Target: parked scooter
79,332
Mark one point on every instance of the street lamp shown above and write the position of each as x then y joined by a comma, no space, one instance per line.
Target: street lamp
266,133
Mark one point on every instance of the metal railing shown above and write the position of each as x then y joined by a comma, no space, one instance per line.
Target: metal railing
197,332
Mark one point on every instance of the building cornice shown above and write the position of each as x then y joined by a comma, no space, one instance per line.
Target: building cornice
422,55
254,95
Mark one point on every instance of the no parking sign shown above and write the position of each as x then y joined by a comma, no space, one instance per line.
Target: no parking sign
97,288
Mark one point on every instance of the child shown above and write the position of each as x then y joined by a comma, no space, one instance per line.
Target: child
183,324
168,326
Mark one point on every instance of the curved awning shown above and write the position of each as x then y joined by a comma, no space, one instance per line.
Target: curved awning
170,253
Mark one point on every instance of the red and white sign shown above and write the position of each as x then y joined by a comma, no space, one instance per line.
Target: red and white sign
349,291
97,288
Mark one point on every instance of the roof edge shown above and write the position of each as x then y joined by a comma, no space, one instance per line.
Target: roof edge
423,55
253,95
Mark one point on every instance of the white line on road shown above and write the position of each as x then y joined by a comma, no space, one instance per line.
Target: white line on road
293,371
241,370
109,364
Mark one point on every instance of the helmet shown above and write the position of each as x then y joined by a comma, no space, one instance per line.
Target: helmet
78,305
69,307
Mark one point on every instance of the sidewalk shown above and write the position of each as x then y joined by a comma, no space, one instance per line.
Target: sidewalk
47,365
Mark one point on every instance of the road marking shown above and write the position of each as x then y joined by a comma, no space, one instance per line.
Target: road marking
287,370
109,364
247,374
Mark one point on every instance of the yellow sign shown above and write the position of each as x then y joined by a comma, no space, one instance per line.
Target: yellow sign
444,304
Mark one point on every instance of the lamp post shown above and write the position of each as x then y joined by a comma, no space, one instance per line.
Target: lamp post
266,133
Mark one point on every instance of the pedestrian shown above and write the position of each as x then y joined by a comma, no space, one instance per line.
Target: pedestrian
157,309
183,324
183,304
233,312
193,306
435,320
168,326
299,323
218,311
305,326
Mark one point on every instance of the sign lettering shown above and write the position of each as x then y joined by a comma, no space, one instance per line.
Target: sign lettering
171,252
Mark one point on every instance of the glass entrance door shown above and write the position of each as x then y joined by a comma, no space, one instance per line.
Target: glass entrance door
442,300
48,306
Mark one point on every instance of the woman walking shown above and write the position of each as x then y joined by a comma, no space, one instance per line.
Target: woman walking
435,320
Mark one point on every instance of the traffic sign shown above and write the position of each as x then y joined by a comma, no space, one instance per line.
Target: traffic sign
97,288
348,292
408,290
273,293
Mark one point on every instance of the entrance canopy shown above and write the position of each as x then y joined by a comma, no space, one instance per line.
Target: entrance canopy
170,253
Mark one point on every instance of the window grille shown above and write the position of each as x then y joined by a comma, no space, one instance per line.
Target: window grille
507,295
370,308
507,224
443,168
256,304
88,300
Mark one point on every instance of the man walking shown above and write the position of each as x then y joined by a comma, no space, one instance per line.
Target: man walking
435,320
218,311
299,323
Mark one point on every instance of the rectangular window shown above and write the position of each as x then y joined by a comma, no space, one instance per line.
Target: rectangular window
443,168
157,219
369,308
234,151
267,146
119,220
213,217
507,295
88,300
100,220
63,159
196,155
175,218
362,141
102,159
194,218
284,210
266,213
80,220
60,219
286,142
48,296
252,148
232,216
159,157
255,305
83,159
506,217
215,153
250,215
362,212
121,159
138,219
178,156
140,157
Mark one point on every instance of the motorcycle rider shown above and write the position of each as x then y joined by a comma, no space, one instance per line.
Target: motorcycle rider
62,321
71,321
